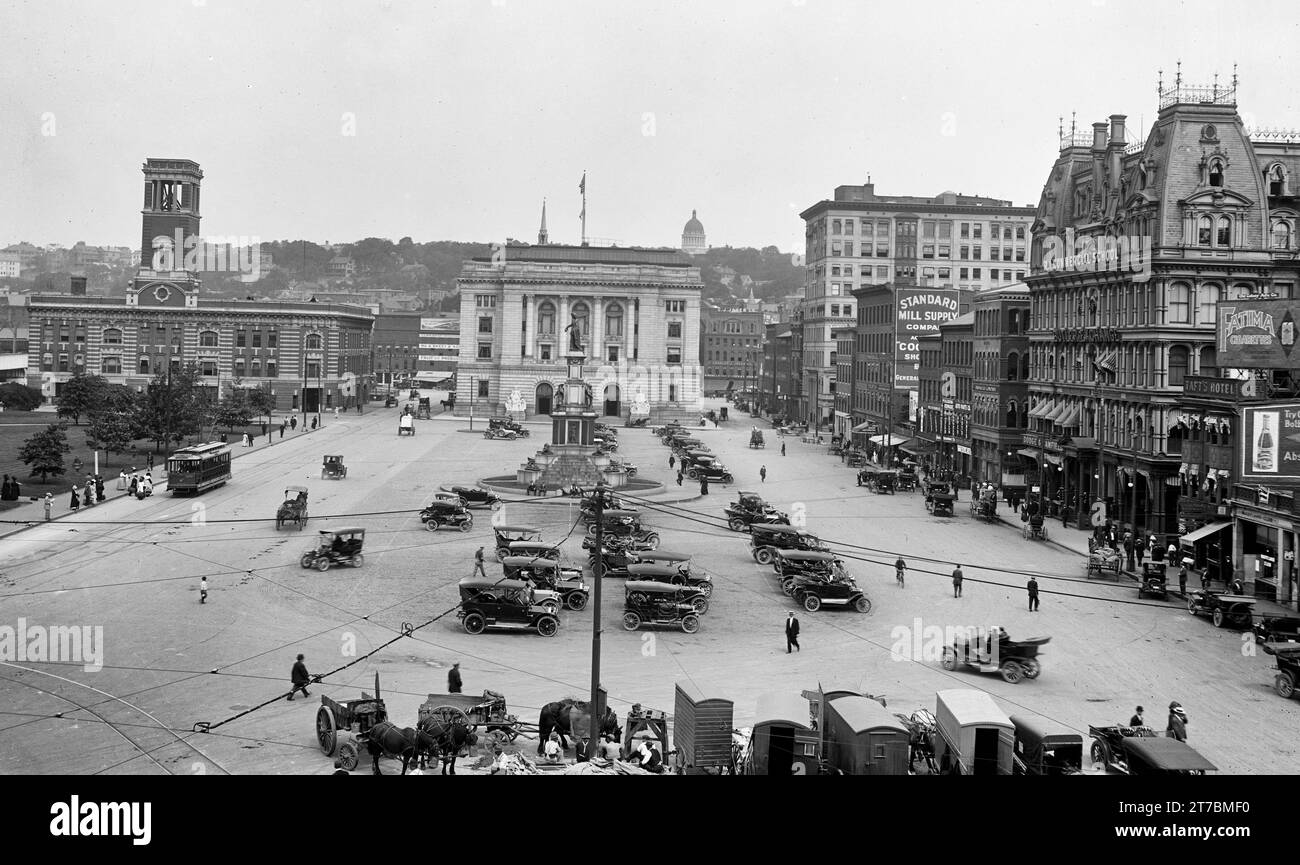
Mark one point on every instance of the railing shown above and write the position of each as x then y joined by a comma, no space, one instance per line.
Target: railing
1274,136
1135,146
1277,499
1076,139
1182,94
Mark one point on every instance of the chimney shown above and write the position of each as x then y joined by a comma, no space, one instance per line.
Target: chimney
78,286
1117,129
1099,135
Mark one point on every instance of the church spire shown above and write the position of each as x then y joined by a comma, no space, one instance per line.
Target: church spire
541,233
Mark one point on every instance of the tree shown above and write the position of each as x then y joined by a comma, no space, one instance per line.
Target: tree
80,394
174,406
113,425
43,452
262,401
234,410
19,397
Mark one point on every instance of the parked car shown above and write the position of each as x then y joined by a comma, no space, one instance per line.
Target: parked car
502,603
1277,629
1224,609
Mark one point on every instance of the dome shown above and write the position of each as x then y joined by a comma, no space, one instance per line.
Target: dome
693,225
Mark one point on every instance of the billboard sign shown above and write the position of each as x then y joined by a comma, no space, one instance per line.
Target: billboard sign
1257,334
920,312
1270,442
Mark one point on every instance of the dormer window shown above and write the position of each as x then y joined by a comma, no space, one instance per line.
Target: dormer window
1216,173
1277,180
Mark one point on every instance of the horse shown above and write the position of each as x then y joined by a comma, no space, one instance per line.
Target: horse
446,739
555,716
386,739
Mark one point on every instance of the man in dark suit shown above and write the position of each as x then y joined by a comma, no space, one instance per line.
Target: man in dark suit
791,632
300,678
453,679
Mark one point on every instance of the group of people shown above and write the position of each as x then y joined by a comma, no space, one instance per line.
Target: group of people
1175,726
88,494
11,491
135,483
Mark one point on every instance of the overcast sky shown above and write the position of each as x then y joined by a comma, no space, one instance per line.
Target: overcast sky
336,121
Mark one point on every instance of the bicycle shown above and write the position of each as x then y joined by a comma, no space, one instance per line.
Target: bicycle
898,575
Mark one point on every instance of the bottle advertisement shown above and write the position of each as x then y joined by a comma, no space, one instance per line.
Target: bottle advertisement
1263,447
1270,443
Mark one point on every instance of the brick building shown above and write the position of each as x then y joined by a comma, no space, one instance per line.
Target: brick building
1000,399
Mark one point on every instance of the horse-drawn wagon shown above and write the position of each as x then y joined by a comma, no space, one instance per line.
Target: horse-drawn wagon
293,509
344,727
488,711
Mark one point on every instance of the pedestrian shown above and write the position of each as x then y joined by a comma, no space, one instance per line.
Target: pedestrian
121,481
133,486
1140,548
478,564
314,422
762,475
1157,551
672,460
1182,581
956,581
1171,553
791,632
148,462
99,488
704,485
453,679
265,427
783,447
1129,552
281,429
4,490
268,435
1032,586
203,590
1177,726
90,491
1137,720
300,678
679,477
293,423
75,504
49,506
900,570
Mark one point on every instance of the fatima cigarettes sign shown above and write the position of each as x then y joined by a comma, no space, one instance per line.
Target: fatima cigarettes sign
1270,446
920,312
1257,334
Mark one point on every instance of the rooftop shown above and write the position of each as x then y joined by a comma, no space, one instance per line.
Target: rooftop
665,257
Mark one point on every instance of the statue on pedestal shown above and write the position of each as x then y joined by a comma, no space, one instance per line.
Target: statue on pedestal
574,330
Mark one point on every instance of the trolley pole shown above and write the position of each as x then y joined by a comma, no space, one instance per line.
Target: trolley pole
598,577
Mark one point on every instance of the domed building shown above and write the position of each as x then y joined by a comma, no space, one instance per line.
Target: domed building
693,242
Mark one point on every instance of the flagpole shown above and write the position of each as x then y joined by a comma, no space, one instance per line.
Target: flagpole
583,189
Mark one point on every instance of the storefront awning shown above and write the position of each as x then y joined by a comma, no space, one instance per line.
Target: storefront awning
865,426
1038,410
918,447
1203,532
1053,459
884,440
1058,409
1026,452
1070,420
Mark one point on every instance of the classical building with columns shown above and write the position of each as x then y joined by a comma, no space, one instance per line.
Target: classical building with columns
637,312
1135,243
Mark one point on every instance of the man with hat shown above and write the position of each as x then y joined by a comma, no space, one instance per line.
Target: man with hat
791,632
1177,726
1157,551
453,679
1137,720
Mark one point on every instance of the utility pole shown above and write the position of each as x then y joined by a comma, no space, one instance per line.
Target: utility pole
596,710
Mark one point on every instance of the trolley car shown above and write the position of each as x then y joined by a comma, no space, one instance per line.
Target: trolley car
199,468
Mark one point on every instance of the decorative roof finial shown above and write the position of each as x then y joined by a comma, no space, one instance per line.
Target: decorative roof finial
1060,126
1216,85
1072,113
1234,77
1160,82
1178,79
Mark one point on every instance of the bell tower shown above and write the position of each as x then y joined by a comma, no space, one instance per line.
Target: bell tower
169,229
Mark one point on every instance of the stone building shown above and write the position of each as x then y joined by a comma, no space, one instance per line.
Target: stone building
730,348
1000,401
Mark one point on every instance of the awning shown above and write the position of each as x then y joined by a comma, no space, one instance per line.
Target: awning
1037,411
1071,419
1203,532
1058,409
1053,459
896,441
1026,452
864,427
918,448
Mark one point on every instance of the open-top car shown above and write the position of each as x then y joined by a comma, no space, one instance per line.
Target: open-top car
995,652
293,509
534,550
659,572
1288,667
507,423
711,471
1163,756
506,535
812,591
332,467
649,603
620,523
764,541
502,603
1223,609
885,482
549,580
618,544
792,563
1107,748
749,508
339,545
477,497
1277,629
441,512
1154,580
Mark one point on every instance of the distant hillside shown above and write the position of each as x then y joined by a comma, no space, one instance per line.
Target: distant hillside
729,273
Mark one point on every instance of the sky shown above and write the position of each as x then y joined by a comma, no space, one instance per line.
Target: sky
334,121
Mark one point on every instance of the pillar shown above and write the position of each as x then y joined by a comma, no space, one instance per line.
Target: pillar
530,326
597,350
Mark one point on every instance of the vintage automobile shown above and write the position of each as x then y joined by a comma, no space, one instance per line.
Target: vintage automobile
764,541
620,523
550,581
1277,629
1107,748
500,434
975,737
941,504
390,401
867,476
908,481
1034,528
750,510
885,482
813,591
710,470
332,467
856,459
506,535
756,439
502,603
441,512
293,509
984,505
789,564
336,546
1154,580
1288,667
506,423
995,652
659,604
609,502
1224,609
477,497
1045,747
1163,756
618,544
654,572
623,465
534,550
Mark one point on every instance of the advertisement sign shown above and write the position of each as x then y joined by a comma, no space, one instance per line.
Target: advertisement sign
1257,334
1271,442
920,312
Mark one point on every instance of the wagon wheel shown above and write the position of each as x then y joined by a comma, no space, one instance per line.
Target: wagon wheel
498,737
349,755
449,715
1100,753
326,731
1011,672
1284,684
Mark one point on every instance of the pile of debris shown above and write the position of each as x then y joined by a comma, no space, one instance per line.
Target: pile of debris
605,767
514,764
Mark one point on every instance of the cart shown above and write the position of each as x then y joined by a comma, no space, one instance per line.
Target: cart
1034,528
425,411
1103,560
406,426
756,438
344,726
488,711
293,509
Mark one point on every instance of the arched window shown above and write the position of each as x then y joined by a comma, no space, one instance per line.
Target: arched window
1012,414
313,342
1225,232
613,322
546,321
1013,366
1281,234
1179,303
1207,304
1276,180
143,367
207,339
1177,365
1209,361
112,336
1216,172
1204,230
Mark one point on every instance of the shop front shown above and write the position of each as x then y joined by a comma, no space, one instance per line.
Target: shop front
1264,542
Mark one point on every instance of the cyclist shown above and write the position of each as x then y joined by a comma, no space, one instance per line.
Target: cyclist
900,568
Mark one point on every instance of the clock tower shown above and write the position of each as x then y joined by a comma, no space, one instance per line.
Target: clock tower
169,230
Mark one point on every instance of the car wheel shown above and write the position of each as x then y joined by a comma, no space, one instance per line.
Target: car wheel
1218,618
358,560
501,554
862,604
431,525
1032,669
1284,685
1012,672
551,606
811,602
763,555
1100,753
547,626
577,601
474,623
653,540
307,560
700,605
631,621
707,589
949,661
1191,606
736,525
787,587
323,564
466,526
690,624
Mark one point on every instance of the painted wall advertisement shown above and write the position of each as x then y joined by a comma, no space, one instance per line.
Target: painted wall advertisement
920,312
1257,334
1271,442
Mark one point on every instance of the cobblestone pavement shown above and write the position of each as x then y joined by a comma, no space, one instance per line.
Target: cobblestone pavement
1109,652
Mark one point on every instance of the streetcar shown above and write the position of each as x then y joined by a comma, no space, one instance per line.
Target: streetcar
193,470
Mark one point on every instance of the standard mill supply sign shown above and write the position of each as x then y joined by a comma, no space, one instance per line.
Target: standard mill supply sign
1271,443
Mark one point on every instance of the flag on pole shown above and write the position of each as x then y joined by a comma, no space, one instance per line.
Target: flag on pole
582,184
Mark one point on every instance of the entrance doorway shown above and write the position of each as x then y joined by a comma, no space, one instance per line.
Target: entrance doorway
612,404
985,761
545,398
311,399
780,751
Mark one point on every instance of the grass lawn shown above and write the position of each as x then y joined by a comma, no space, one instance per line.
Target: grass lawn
18,426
